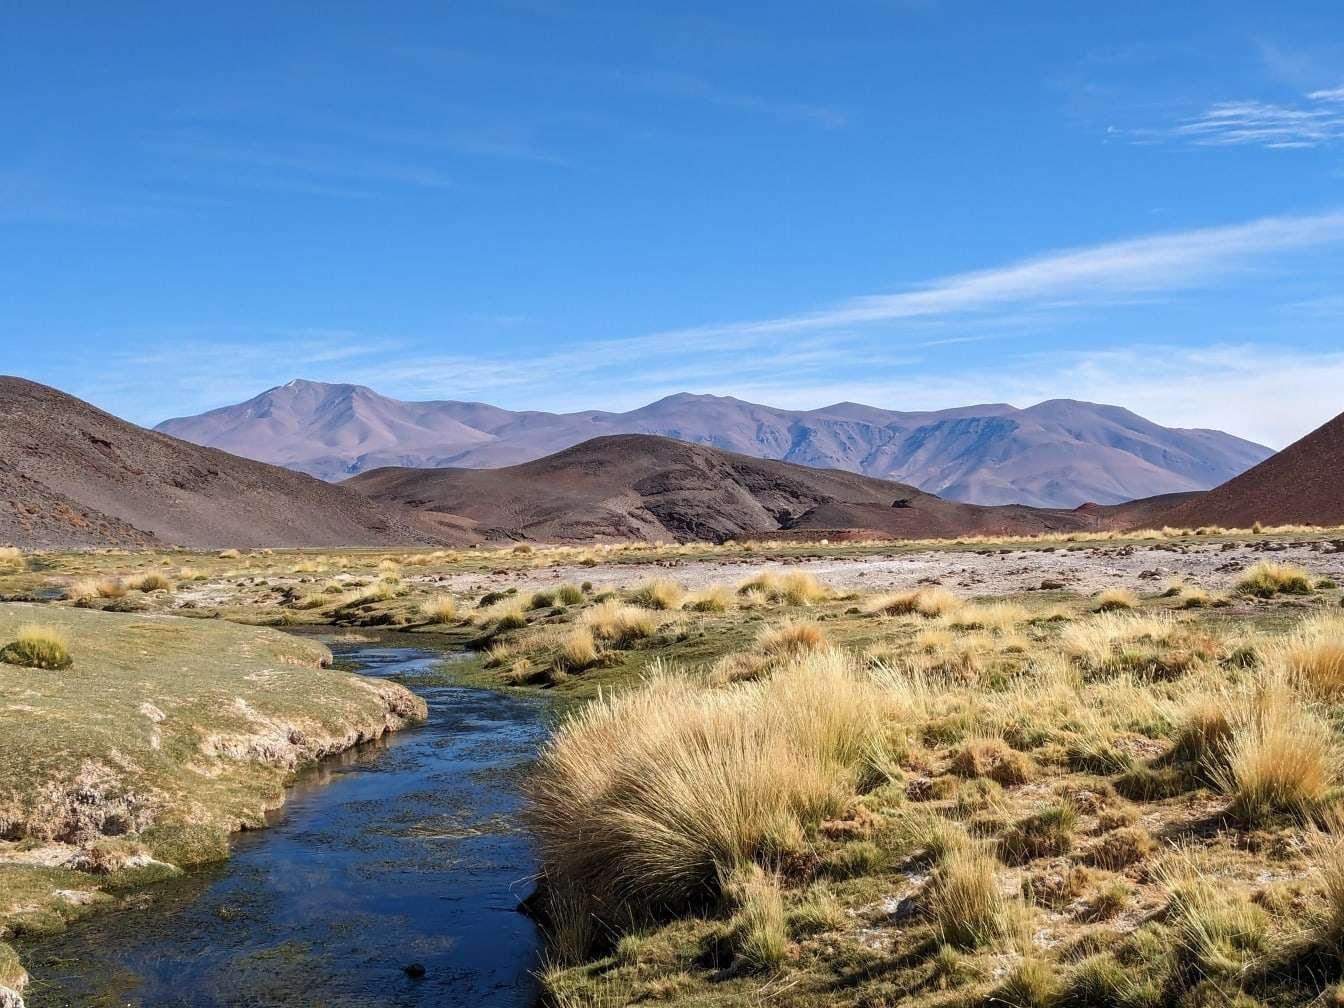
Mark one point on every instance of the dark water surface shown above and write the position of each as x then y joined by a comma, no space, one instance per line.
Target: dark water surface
401,851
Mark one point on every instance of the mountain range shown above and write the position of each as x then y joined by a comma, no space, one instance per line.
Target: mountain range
1056,454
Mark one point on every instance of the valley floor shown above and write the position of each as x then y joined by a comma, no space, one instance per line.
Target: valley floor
1086,771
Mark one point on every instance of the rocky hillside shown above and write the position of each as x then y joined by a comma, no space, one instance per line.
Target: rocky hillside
72,475
1057,454
1301,485
640,487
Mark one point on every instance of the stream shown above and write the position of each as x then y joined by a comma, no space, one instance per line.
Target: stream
403,851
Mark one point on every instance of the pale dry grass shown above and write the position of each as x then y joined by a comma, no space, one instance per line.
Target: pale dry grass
1114,599
928,602
578,650
1267,579
645,798
658,594
1312,656
791,638
617,624
791,588
38,646
439,608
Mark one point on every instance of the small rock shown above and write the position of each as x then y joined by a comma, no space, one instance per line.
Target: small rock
414,970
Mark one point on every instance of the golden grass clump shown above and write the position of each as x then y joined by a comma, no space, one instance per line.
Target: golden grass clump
792,588
509,617
929,602
440,608
648,797
229,554
617,624
1312,656
1280,756
578,650
569,594
82,589
994,759
40,647
999,616
658,594
11,558
963,901
111,588
1218,931
1267,579
757,934
714,599
1114,599
790,638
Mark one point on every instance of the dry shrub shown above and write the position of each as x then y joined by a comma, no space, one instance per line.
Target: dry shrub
541,600
1280,756
439,609
111,588
617,624
995,759
149,583
82,589
1114,599
658,594
646,798
1267,579
792,588
927,602
963,901
36,646
791,638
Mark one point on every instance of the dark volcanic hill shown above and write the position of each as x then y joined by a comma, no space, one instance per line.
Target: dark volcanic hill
1301,485
72,475
1058,454
641,487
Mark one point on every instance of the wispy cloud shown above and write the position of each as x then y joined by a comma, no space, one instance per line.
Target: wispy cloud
1315,121
878,336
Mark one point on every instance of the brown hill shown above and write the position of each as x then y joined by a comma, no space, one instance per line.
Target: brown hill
642,487
1301,485
72,475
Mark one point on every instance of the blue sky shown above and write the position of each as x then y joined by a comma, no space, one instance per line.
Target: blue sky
562,205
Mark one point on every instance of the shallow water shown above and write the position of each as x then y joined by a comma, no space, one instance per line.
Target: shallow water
403,851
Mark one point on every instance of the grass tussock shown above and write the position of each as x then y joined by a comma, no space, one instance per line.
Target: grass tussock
1312,656
619,625
714,599
12,559
649,798
149,583
1267,579
793,588
963,901
1115,599
658,594
439,608
578,650
791,638
1280,756
928,602
40,647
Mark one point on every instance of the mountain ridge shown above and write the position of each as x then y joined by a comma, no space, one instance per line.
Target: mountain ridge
1057,453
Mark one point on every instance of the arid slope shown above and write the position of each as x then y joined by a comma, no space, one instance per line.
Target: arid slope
640,487
1301,485
72,475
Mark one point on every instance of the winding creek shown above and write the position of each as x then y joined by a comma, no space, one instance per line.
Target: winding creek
400,852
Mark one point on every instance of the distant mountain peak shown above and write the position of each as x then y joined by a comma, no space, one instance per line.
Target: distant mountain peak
1056,453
